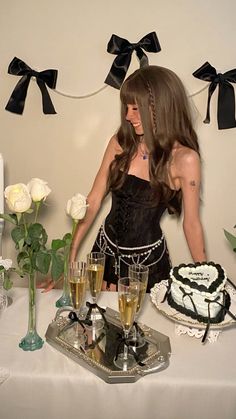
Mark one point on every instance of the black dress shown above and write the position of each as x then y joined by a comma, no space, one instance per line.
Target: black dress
131,233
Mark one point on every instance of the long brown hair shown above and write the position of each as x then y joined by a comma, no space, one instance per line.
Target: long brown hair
165,114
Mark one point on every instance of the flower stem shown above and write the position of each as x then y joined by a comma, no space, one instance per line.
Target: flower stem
37,206
75,223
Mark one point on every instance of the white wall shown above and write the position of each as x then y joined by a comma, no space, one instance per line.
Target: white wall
66,149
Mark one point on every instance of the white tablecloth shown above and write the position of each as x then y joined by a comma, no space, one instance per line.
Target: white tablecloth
200,381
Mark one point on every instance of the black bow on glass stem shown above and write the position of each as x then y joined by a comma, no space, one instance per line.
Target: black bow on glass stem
226,98
16,102
124,49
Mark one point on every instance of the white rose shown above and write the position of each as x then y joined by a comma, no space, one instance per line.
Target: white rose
6,263
77,207
18,197
38,189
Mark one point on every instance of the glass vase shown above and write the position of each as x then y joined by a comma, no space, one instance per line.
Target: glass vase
32,340
65,299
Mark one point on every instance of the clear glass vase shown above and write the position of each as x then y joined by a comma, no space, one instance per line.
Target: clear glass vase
3,297
65,299
32,340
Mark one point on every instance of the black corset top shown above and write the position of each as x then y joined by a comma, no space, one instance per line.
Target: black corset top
134,218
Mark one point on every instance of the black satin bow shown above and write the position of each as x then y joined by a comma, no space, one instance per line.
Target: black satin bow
226,99
124,49
16,102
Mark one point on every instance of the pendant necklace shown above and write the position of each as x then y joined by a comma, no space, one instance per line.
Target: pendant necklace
143,151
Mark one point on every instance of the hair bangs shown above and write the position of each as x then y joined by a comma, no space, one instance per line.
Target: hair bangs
133,90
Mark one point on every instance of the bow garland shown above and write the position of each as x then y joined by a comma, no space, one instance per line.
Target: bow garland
226,97
16,102
124,49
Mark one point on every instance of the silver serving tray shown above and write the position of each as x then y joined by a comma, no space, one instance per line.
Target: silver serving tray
154,354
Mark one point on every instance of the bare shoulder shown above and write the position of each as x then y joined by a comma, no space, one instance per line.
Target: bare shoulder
185,159
114,145
112,149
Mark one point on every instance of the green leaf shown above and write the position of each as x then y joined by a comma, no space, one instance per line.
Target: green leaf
67,238
43,260
20,244
7,283
22,255
231,239
44,237
57,244
24,262
35,246
35,231
9,217
57,267
18,234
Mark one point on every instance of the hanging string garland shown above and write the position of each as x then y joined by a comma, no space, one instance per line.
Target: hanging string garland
226,97
124,50
81,96
103,88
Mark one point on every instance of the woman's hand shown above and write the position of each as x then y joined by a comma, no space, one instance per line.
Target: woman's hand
48,284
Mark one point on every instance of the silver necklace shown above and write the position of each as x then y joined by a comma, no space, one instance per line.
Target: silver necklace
143,151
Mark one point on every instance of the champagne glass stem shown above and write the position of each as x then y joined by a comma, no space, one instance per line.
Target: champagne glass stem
134,333
126,332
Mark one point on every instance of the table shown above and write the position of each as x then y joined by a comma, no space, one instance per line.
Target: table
200,381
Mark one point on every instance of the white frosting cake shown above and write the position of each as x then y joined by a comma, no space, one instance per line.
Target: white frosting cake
198,290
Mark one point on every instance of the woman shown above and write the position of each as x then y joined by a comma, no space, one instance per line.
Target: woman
150,165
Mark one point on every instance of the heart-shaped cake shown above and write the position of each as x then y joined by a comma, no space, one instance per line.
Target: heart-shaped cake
198,290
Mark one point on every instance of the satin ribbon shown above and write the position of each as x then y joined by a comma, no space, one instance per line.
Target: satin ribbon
16,102
124,49
74,318
226,97
185,294
124,342
209,315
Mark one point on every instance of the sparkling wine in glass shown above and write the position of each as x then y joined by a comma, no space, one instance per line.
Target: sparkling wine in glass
95,272
139,272
128,292
77,283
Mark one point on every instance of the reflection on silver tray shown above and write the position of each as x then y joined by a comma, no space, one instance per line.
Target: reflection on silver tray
100,360
157,294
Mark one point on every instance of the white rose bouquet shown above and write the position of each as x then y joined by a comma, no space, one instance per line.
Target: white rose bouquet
30,240
29,236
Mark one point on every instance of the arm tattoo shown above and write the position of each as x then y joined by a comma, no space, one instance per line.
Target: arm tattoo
192,183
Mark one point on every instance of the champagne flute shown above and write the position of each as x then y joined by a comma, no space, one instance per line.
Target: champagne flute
77,283
140,273
95,272
128,292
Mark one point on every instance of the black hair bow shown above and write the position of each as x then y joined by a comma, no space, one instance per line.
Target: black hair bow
124,49
226,99
16,102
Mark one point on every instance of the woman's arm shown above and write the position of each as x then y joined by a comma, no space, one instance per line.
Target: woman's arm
95,196
94,200
189,169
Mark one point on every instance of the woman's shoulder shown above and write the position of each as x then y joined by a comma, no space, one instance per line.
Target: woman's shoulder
114,144
185,156
185,162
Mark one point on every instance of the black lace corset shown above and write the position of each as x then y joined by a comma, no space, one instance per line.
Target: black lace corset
134,219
